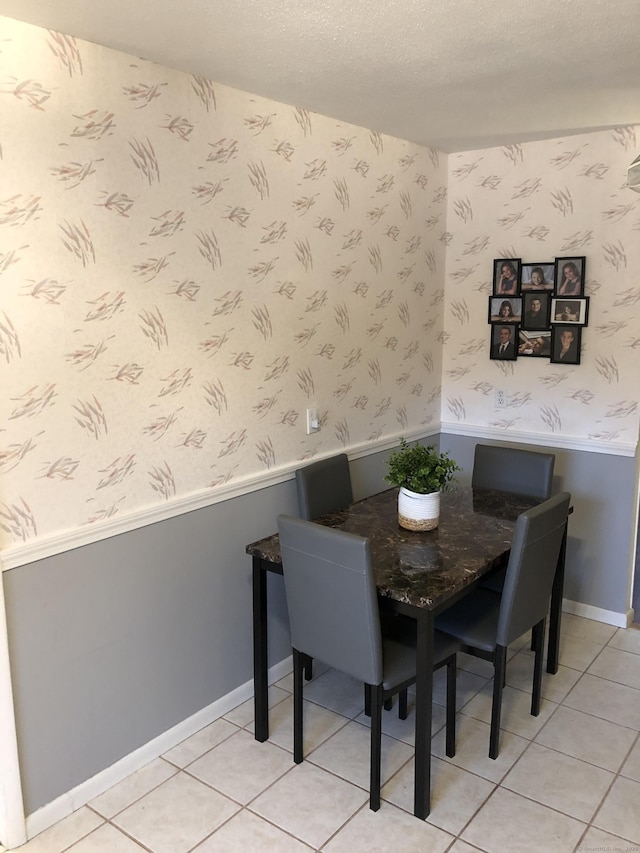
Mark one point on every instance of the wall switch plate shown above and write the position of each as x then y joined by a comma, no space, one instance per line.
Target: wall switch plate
313,424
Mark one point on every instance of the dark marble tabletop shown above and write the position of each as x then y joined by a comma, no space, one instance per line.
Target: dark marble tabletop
424,569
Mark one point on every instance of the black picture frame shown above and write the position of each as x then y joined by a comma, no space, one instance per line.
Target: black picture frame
511,353
499,287
546,269
497,305
572,355
534,344
572,311
533,319
574,286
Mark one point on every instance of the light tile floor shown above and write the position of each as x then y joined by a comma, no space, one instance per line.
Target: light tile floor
568,780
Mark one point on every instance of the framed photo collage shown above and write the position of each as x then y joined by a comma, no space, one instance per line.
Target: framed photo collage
538,310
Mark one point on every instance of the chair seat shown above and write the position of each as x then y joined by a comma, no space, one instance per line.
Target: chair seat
495,582
399,652
473,619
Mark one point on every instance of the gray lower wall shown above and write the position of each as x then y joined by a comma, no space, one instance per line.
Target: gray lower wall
601,529
116,642
113,643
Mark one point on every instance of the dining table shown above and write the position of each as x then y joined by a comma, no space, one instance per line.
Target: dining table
418,574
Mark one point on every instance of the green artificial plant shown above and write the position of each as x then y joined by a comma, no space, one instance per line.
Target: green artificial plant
420,468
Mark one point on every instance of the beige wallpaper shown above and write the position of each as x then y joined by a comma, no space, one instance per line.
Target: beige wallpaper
184,269
541,200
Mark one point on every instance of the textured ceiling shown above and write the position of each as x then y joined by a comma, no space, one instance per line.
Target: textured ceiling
450,74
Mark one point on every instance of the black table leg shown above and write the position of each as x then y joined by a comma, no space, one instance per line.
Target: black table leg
557,592
260,650
424,698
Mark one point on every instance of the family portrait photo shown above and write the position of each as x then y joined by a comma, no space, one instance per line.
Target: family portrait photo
538,276
503,343
569,276
505,310
565,344
534,344
570,311
536,310
506,277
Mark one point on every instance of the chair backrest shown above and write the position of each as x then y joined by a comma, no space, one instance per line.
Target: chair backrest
324,486
331,597
535,547
506,469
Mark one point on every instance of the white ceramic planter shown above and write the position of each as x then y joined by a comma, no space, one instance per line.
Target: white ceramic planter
418,512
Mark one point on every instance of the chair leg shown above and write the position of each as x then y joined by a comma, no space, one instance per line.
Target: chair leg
499,663
376,747
451,707
388,703
308,667
403,710
298,665
538,642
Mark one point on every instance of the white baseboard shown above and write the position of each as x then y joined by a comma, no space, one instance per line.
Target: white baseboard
609,617
72,800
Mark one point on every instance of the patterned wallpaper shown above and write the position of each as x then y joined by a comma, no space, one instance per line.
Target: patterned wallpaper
555,198
184,269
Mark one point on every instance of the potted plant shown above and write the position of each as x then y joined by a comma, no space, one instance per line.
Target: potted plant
421,473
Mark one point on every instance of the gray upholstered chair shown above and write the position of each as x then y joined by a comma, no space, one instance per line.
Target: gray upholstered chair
508,469
333,613
485,623
324,486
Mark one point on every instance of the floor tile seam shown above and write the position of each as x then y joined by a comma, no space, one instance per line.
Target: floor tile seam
207,751
248,806
366,790
504,784
475,773
397,739
632,848
489,797
496,786
328,840
470,846
76,840
333,710
177,771
530,799
606,681
260,817
610,645
94,808
275,825
591,763
122,831
327,737
574,668
604,719
502,726
592,822
582,760
336,775
635,743
614,681
613,648
228,796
